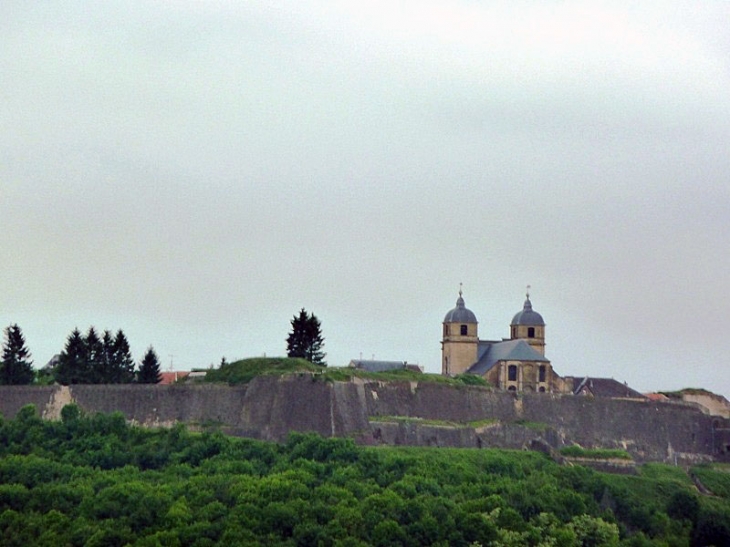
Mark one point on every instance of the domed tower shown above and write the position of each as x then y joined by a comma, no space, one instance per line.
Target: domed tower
529,325
460,340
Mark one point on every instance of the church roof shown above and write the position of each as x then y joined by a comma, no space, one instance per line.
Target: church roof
460,314
527,316
602,387
491,353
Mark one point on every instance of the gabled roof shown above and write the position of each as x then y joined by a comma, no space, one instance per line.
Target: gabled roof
381,366
491,353
603,387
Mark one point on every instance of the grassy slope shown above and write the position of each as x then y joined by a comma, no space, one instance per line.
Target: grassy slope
245,370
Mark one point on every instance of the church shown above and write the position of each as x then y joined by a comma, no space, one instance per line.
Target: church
517,363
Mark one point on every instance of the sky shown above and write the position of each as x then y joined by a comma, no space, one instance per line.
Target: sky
196,172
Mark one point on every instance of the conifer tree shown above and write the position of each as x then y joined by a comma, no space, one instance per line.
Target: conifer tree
16,367
94,357
72,365
149,368
123,362
106,366
305,340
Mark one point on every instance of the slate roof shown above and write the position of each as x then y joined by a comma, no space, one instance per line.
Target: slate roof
490,353
603,387
527,316
460,314
382,366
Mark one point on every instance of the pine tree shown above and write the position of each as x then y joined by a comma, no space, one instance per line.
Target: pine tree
94,357
72,365
16,367
123,362
149,368
305,340
106,365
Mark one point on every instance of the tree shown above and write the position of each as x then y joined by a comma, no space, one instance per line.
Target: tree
94,357
72,365
305,340
123,369
16,367
149,368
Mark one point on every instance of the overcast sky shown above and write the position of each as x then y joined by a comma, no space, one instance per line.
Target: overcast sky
196,172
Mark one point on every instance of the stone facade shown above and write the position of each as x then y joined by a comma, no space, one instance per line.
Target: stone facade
515,364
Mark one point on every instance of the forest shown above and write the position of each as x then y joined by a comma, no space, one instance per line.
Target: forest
96,480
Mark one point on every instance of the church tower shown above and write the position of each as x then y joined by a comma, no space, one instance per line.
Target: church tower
529,326
460,340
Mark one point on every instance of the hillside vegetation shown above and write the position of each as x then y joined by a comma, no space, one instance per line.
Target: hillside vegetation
98,481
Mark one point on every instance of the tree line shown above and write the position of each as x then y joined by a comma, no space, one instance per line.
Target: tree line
85,359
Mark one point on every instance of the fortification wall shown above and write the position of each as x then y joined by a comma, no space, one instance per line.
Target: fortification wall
427,414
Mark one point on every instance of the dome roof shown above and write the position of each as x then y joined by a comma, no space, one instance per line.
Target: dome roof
527,316
460,314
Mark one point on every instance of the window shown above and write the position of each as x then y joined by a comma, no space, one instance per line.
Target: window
542,373
531,332
446,331
512,373
463,330
542,389
512,388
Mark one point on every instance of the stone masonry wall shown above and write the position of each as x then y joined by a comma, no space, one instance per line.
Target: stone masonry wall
427,414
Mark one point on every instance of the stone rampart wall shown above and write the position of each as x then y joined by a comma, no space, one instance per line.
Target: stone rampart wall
427,414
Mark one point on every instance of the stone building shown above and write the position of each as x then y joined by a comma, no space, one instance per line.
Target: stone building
517,363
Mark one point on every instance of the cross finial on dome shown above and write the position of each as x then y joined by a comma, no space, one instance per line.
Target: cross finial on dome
527,293
461,286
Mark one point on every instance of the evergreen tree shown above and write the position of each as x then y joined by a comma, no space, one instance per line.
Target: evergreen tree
123,362
72,365
149,368
94,357
106,365
305,340
16,367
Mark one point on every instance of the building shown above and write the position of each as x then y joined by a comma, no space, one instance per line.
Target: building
517,363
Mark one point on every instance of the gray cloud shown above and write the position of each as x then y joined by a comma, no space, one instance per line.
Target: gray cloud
195,173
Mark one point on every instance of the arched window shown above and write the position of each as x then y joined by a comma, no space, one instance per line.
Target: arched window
512,388
542,389
446,331
512,373
542,373
531,332
463,330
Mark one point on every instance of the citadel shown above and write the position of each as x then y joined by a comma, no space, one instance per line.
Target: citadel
525,404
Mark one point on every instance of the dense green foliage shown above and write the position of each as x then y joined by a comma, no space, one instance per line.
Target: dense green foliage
596,453
98,481
16,367
305,339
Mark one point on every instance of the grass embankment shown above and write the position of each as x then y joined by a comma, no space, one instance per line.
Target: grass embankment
245,370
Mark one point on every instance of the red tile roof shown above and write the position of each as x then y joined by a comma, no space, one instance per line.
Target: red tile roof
172,377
